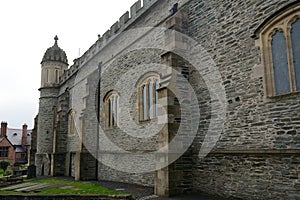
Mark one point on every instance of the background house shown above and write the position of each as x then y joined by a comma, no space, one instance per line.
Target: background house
14,144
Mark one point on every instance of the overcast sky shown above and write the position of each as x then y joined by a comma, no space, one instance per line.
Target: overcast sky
28,28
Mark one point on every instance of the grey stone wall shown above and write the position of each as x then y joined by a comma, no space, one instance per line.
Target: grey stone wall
109,174
253,122
249,176
46,118
257,154
46,121
118,136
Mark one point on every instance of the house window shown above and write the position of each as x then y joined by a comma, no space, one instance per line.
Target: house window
111,103
23,155
148,98
4,152
281,53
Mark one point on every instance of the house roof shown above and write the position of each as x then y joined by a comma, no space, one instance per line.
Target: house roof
20,149
15,136
4,138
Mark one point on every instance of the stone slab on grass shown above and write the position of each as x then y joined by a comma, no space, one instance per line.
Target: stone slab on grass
22,185
34,188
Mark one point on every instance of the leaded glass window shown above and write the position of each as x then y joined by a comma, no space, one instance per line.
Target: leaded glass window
280,40
111,110
148,98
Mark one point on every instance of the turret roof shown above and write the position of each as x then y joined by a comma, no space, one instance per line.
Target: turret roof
55,53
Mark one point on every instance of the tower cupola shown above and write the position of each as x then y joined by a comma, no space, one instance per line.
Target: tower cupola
55,53
54,64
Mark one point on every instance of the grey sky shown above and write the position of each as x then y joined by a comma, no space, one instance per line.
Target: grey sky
28,29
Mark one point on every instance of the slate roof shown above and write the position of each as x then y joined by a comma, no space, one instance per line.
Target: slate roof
20,149
15,136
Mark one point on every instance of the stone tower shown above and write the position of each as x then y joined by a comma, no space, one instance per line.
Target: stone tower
53,65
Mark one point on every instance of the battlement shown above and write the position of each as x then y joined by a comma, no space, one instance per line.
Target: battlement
136,10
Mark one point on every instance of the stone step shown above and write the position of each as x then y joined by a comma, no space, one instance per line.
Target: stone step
22,185
33,188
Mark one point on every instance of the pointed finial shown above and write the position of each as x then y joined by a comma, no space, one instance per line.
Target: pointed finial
56,38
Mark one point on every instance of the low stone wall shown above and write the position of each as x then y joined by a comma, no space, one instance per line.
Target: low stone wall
65,197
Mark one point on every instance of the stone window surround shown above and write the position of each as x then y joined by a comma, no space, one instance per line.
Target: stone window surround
144,82
283,23
111,123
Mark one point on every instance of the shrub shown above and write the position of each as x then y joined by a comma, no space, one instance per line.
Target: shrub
4,164
8,173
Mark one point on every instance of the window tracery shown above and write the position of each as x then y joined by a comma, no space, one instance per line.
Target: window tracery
148,98
280,41
111,103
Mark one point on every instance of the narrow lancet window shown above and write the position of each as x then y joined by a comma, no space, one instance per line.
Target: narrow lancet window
111,110
280,64
295,36
149,101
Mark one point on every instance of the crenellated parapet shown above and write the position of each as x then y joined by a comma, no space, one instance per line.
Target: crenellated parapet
136,10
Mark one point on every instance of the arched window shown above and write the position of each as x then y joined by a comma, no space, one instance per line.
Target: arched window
148,98
111,103
47,76
56,76
280,40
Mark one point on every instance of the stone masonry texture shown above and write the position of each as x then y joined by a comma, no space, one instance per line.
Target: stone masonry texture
257,153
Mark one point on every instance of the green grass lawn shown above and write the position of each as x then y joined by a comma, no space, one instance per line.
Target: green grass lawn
68,187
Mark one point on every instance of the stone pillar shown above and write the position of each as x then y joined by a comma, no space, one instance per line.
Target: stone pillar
161,178
61,136
77,166
42,163
68,165
176,178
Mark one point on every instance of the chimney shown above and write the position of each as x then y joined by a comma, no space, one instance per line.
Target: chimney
24,135
3,129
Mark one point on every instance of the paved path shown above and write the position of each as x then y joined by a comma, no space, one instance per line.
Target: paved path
147,193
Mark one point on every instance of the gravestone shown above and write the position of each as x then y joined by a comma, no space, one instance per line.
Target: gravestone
31,172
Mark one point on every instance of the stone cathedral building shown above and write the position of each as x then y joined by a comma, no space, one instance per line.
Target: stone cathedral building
181,95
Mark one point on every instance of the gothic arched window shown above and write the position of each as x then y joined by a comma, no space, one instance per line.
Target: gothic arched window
148,98
111,103
280,41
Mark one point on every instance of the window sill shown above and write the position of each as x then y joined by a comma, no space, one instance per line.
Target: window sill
111,128
148,121
283,96
71,135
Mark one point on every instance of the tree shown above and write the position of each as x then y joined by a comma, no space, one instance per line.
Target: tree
4,164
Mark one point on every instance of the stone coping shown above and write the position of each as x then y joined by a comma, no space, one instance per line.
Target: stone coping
256,151
65,197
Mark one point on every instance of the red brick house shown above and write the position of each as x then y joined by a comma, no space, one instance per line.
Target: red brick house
14,144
